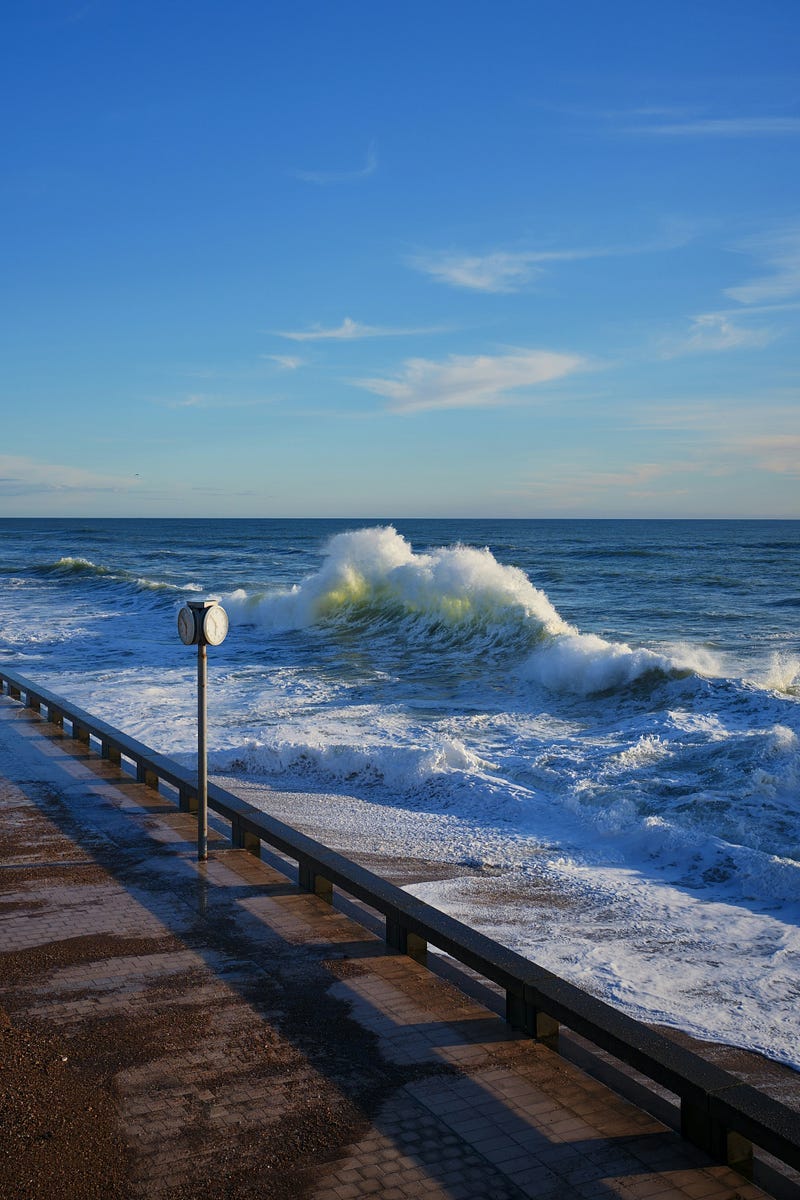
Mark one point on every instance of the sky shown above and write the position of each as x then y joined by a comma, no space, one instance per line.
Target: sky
451,258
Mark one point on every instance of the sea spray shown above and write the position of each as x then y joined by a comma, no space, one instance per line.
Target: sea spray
604,711
373,574
458,597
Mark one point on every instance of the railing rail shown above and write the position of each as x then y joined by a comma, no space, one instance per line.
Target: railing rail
718,1112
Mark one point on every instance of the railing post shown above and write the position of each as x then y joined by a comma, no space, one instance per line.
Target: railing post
79,732
521,1014
241,839
54,715
109,752
403,941
252,844
712,1135
310,881
146,775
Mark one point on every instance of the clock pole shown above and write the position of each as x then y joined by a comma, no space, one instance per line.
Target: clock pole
202,753
202,623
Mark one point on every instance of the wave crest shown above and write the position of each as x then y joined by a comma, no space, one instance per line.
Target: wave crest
79,569
373,575
457,598
69,565
583,663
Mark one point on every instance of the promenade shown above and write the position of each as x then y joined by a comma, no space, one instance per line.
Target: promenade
176,1030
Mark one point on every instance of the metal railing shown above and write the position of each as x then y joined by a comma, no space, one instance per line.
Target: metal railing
719,1113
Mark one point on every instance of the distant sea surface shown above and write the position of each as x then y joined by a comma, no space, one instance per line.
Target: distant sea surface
607,708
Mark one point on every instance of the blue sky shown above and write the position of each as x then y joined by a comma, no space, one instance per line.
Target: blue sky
441,259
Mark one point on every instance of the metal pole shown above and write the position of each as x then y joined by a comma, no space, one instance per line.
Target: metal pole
202,761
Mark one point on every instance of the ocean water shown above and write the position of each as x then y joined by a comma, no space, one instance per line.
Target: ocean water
603,711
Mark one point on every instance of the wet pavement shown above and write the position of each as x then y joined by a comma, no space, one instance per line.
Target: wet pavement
176,1030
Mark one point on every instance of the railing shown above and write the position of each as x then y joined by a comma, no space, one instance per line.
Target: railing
719,1113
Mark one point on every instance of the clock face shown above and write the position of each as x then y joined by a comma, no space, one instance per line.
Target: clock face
186,626
215,625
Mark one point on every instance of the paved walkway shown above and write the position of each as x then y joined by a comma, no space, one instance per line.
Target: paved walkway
229,1036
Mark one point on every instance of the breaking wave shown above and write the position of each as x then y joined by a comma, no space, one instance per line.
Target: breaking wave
74,566
82,569
454,598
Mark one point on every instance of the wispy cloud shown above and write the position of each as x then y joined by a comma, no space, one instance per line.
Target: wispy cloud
501,271
716,332
729,434
324,178
720,127
349,331
681,121
21,476
781,252
229,375
596,112
589,482
740,417
206,401
743,327
563,487
288,362
510,270
460,381
497,271
74,16
777,453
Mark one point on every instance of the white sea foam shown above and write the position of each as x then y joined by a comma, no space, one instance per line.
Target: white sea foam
77,564
782,674
722,972
463,597
652,773
585,663
376,571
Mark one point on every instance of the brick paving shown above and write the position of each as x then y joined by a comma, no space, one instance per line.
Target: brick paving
255,1041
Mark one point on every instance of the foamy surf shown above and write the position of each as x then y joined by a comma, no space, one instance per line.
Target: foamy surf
375,573
454,597
531,700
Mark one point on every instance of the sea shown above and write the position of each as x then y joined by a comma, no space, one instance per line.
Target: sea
594,724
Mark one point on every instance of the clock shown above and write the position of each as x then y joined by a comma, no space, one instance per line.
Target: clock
215,625
187,626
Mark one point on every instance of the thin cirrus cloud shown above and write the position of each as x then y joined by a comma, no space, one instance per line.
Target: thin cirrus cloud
781,253
738,418
681,121
716,332
729,432
779,453
724,127
325,178
498,271
774,290
348,331
511,270
579,486
287,362
21,476
461,381
203,401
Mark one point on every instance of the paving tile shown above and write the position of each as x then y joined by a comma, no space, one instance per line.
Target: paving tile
511,1120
